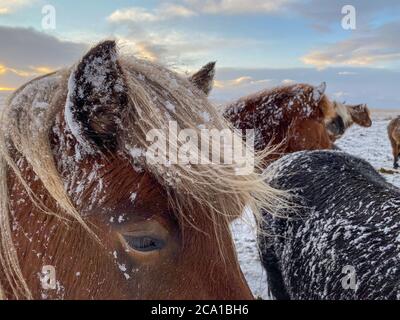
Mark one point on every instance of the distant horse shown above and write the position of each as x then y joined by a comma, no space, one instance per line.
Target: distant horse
352,114
360,114
296,117
85,214
343,240
394,137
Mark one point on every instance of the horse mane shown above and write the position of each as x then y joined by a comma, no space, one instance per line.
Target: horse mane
284,92
30,114
344,113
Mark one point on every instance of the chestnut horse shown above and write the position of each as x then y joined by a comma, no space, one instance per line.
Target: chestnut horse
394,137
296,117
79,197
360,115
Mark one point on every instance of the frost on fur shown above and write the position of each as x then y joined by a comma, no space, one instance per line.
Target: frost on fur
96,95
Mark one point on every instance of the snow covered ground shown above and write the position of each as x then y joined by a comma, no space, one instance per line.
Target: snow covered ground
371,144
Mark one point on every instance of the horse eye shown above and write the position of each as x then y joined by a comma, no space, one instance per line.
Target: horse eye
144,244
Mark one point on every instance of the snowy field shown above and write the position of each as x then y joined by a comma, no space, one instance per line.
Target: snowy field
372,144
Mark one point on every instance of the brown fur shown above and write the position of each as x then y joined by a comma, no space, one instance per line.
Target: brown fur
351,114
360,115
394,137
99,277
288,117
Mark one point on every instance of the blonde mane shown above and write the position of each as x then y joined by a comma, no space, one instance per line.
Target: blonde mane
30,115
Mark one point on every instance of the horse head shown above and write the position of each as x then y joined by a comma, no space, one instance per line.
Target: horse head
79,193
360,114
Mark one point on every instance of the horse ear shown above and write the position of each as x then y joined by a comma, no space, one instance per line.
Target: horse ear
319,92
359,108
203,79
96,98
362,107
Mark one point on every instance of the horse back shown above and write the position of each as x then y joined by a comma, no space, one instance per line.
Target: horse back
347,218
278,116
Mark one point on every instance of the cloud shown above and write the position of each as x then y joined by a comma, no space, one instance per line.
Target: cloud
162,13
347,73
231,7
234,87
373,47
190,8
10,80
323,15
26,53
239,82
10,6
151,34
26,49
149,51
147,34
172,48
288,81
376,87
320,13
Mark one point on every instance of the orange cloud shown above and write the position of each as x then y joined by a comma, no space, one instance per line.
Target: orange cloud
6,89
9,6
42,70
3,69
241,81
24,74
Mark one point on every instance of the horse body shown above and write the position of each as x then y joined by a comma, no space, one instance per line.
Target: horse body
78,194
295,118
342,242
394,137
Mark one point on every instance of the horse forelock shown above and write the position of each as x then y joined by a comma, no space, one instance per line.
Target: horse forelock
31,118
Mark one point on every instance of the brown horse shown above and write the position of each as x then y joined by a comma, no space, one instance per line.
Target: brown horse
352,114
79,197
394,137
296,117
360,114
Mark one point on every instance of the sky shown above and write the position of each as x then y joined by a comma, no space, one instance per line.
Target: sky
257,44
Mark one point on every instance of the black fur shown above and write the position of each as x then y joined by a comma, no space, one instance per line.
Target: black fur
348,215
336,126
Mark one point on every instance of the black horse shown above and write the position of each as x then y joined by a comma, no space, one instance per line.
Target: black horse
342,239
